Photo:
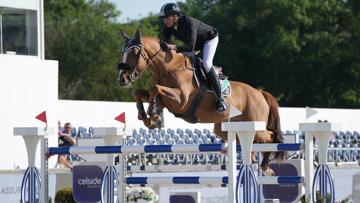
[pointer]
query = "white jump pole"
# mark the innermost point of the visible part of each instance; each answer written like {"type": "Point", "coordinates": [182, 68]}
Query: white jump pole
{"type": "Point", "coordinates": [246, 132]}
{"type": "Point", "coordinates": [111, 136]}
{"type": "Point", "coordinates": [323, 134]}
{"type": "Point", "coordinates": [31, 179]}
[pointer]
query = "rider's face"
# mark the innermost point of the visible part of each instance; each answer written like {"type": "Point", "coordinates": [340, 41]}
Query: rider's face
{"type": "Point", "coordinates": [169, 21]}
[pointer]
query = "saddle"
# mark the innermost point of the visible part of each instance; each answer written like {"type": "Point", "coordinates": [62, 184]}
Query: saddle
{"type": "Point", "coordinates": [204, 85]}
{"type": "Point", "coordinates": [201, 80]}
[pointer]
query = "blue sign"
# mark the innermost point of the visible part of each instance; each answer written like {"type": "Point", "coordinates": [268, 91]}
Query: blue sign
{"type": "Point", "coordinates": [284, 192]}
{"type": "Point", "coordinates": [87, 183]}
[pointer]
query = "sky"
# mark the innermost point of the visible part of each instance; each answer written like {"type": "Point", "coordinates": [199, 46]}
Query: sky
{"type": "Point", "coordinates": [136, 9]}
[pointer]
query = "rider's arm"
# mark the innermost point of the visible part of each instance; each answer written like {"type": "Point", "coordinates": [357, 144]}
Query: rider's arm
{"type": "Point", "coordinates": [166, 35]}
{"type": "Point", "coordinates": [68, 138]}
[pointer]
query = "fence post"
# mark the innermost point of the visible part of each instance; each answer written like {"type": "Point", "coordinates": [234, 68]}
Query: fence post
{"type": "Point", "coordinates": [246, 132]}
{"type": "Point", "coordinates": [322, 177]}
{"type": "Point", "coordinates": [32, 180]}
{"type": "Point", "coordinates": [111, 136]}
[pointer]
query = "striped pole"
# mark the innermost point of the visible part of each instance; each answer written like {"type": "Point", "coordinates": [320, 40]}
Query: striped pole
{"type": "Point", "coordinates": [182, 148]}
{"type": "Point", "coordinates": [205, 180]}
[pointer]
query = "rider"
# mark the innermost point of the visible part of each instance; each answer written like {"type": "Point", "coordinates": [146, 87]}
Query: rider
{"type": "Point", "coordinates": [195, 35]}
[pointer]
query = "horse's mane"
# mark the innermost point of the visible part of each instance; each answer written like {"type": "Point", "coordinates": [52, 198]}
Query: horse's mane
{"type": "Point", "coordinates": [156, 41]}
{"type": "Point", "coordinates": [150, 39]}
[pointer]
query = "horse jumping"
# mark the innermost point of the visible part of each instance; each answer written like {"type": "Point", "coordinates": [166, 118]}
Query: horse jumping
{"type": "Point", "coordinates": [175, 88]}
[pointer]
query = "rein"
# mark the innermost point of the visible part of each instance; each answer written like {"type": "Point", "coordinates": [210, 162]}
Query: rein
{"type": "Point", "coordinates": [147, 58]}
{"type": "Point", "coordinates": [135, 74]}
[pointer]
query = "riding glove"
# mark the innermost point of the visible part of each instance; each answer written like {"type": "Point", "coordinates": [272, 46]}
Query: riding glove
{"type": "Point", "coordinates": [166, 46]}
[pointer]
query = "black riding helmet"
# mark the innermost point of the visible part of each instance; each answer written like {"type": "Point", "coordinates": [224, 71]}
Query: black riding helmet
{"type": "Point", "coordinates": [169, 9]}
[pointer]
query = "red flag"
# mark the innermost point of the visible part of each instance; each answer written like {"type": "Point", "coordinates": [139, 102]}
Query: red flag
{"type": "Point", "coordinates": [121, 118]}
{"type": "Point", "coordinates": [42, 117]}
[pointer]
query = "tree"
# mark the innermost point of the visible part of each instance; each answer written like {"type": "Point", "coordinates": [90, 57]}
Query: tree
{"type": "Point", "coordinates": [84, 37]}
{"type": "Point", "coordinates": [304, 52]}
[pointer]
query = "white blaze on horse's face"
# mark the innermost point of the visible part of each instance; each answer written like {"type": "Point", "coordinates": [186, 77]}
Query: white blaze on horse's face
{"type": "Point", "coordinates": [125, 54]}
{"type": "Point", "coordinates": [127, 76]}
{"type": "Point", "coordinates": [125, 57]}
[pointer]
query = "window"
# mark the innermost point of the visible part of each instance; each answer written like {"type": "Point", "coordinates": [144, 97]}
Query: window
{"type": "Point", "coordinates": [18, 31]}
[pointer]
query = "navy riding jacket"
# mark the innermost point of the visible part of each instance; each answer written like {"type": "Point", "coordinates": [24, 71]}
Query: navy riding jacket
{"type": "Point", "coordinates": [192, 32]}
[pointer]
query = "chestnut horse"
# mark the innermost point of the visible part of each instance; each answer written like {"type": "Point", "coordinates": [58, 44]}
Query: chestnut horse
{"type": "Point", "coordinates": [174, 87]}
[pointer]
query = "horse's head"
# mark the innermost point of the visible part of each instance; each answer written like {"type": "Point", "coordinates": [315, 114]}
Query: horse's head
{"type": "Point", "coordinates": [134, 60]}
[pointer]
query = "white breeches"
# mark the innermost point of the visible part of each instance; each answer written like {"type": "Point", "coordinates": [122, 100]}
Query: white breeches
{"type": "Point", "coordinates": [209, 53]}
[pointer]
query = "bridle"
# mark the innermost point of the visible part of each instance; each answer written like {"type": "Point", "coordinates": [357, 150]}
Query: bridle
{"type": "Point", "coordinates": [132, 68]}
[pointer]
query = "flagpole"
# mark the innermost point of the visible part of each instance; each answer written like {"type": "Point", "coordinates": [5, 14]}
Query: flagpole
{"type": "Point", "coordinates": [44, 161]}
{"type": "Point", "coordinates": [121, 190]}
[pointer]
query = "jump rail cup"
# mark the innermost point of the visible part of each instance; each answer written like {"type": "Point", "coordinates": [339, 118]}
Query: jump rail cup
{"type": "Point", "coordinates": [246, 132]}
{"type": "Point", "coordinates": [322, 177]}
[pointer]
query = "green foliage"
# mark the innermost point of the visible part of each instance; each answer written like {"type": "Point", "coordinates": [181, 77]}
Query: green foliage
{"type": "Point", "coordinates": [304, 52]}
{"type": "Point", "coordinates": [318, 198]}
{"type": "Point", "coordinates": [84, 37]}
{"type": "Point", "coordinates": [64, 196]}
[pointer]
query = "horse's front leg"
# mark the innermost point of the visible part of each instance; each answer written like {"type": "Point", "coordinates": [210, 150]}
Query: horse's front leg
{"type": "Point", "coordinates": [152, 109]}
{"type": "Point", "coordinates": [155, 104]}
{"type": "Point", "coordinates": [139, 95]}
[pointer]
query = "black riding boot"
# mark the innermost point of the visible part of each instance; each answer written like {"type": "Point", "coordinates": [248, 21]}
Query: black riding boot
{"type": "Point", "coordinates": [215, 83]}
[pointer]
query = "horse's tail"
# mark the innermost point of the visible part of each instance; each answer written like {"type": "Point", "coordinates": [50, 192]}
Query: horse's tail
{"type": "Point", "coordinates": [273, 123]}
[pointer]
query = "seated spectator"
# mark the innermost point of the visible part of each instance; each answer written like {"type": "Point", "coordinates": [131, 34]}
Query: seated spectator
{"type": "Point", "coordinates": [65, 140]}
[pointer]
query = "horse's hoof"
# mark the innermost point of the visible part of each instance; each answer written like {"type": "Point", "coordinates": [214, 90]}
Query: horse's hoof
{"type": "Point", "coordinates": [268, 172]}
{"type": "Point", "coordinates": [223, 151]}
{"type": "Point", "coordinates": [156, 121]}
{"type": "Point", "coordinates": [147, 122]}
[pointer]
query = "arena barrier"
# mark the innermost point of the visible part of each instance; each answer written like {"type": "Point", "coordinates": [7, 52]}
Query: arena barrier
{"type": "Point", "coordinates": [246, 176]}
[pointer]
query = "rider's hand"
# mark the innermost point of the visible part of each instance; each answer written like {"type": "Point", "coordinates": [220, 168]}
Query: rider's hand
{"type": "Point", "coordinates": [166, 46]}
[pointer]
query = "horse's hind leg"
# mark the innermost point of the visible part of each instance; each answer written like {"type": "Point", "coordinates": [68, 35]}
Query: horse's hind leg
{"type": "Point", "coordinates": [219, 133]}
{"type": "Point", "coordinates": [265, 137]}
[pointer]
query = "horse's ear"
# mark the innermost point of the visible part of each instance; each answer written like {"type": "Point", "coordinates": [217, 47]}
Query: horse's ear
{"type": "Point", "coordinates": [137, 36]}
{"type": "Point", "coordinates": [123, 35]}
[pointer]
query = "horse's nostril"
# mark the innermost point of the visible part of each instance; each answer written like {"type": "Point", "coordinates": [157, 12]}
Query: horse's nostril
{"type": "Point", "coordinates": [120, 80]}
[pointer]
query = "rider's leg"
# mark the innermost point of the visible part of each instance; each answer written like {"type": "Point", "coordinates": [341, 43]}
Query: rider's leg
{"type": "Point", "coordinates": [209, 52]}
